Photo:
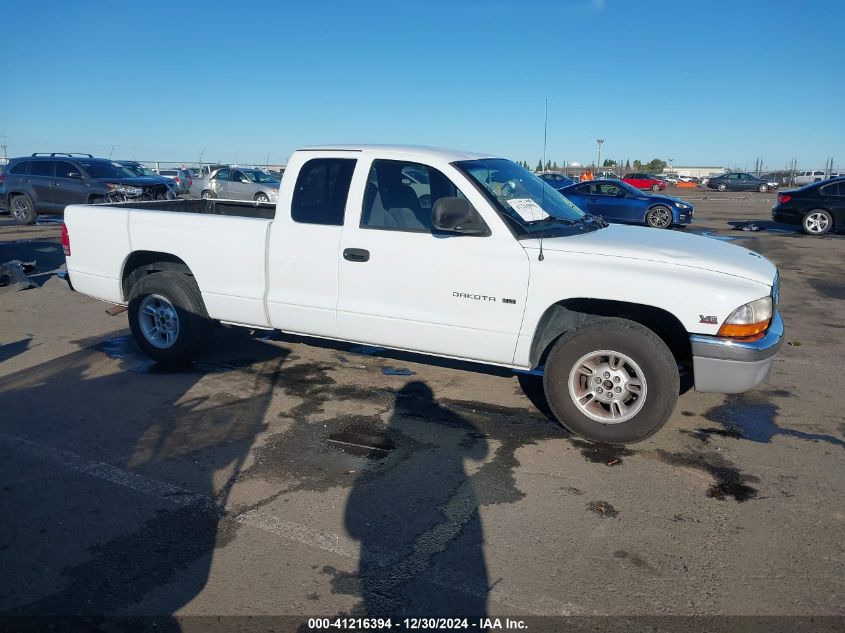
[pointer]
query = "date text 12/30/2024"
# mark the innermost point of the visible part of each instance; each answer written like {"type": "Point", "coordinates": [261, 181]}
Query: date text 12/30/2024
{"type": "Point", "coordinates": [414, 624]}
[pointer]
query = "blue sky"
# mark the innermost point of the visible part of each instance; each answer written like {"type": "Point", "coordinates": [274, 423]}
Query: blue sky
{"type": "Point", "coordinates": [716, 83]}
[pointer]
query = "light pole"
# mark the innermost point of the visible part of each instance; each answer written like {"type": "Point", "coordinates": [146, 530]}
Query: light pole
{"type": "Point", "coordinates": [599, 141]}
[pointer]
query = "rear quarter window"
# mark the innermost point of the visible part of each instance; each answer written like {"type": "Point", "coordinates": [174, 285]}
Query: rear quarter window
{"type": "Point", "coordinates": [20, 169]}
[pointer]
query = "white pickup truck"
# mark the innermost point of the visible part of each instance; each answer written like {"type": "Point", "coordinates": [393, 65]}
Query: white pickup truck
{"type": "Point", "coordinates": [447, 253]}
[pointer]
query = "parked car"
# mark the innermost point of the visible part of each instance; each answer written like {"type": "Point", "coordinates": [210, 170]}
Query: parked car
{"type": "Point", "coordinates": [671, 179]}
{"type": "Point", "coordinates": [806, 177]}
{"type": "Point", "coordinates": [46, 183]}
{"type": "Point", "coordinates": [137, 169]}
{"type": "Point", "coordinates": [738, 181]}
{"type": "Point", "coordinates": [606, 312]}
{"type": "Point", "coordinates": [232, 183]}
{"type": "Point", "coordinates": [617, 201]}
{"type": "Point", "coordinates": [607, 175]}
{"type": "Point", "coordinates": [556, 179]}
{"type": "Point", "coordinates": [818, 207]}
{"type": "Point", "coordinates": [644, 181]}
{"type": "Point", "coordinates": [182, 177]}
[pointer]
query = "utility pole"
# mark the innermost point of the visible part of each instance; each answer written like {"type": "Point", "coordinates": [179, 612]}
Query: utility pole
{"type": "Point", "coordinates": [5, 153]}
{"type": "Point", "coordinates": [599, 141]}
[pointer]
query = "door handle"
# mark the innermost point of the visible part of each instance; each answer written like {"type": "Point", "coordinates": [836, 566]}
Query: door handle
{"type": "Point", "coordinates": [356, 254]}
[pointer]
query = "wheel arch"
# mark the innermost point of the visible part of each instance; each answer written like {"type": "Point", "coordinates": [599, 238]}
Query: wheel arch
{"type": "Point", "coordinates": [141, 263]}
{"type": "Point", "coordinates": [569, 313]}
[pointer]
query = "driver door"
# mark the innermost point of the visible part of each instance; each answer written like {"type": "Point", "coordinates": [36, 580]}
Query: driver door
{"type": "Point", "coordinates": [610, 202]}
{"type": "Point", "coordinates": [402, 285]}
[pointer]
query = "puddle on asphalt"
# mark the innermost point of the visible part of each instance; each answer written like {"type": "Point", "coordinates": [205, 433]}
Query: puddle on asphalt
{"type": "Point", "coordinates": [362, 441]}
{"type": "Point", "coordinates": [607, 454]}
{"type": "Point", "coordinates": [123, 348]}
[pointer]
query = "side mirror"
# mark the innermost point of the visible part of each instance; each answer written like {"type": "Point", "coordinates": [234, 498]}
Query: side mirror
{"type": "Point", "coordinates": [245, 181]}
{"type": "Point", "coordinates": [74, 174]}
{"type": "Point", "coordinates": [456, 215]}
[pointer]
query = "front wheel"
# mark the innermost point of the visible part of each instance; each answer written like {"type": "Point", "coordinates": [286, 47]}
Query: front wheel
{"type": "Point", "coordinates": [817, 222]}
{"type": "Point", "coordinates": [659, 217]}
{"type": "Point", "coordinates": [611, 380]}
{"type": "Point", "coordinates": [167, 317]}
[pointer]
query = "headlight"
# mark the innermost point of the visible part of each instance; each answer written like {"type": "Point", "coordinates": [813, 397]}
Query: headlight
{"type": "Point", "coordinates": [681, 205]}
{"type": "Point", "coordinates": [748, 320]}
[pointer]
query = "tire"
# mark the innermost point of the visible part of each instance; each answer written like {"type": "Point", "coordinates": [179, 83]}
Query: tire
{"type": "Point", "coordinates": [763, 188]}
{"type": "Point", "coordinates": [817, 222]}
{"type": "Point", "coordinates": [262, 197]}
{"type": "Point", "coordinates": [655, 187]}
{"type": "Point", "coordinates": [97, 200]}
{"type": "Point", "coordinates": [722, 186]}
{"type": "Point", "coordinates": [207, 194]}
{"type": "Point", "coordinates": [22, 209]}
{"type": "Point", "coordinates": [659, 217]}
{"type": "Point", "coordinates": [640, 353]}
{"type": "Point", "coordinates": [171, 303]}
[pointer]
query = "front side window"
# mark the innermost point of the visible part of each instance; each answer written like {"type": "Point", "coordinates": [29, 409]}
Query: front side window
{"type": "Point", "coordinates": [321, 190]}
{"type": "Point", "coordinates": [529, 205]}
{"type": "Point", "coordinates": [400, 195]}
{"type": "Point", "coordinates": [64, 169]}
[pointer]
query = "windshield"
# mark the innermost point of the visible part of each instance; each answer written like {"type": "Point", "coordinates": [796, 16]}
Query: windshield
{"type": "Point", "coordinates": [256, 175]}
{"type": "Point", "coordinates": [526, 201]}
{"type": "Point", "coordinates": [104, 169]}
{"type": "Point", "coordinates": [139, 170]}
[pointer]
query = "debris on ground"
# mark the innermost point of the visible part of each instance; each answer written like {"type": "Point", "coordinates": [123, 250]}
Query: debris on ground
{"type": "Point", "coordinates": [13, 275]}
{"type": "Point", "coordinates": [397, 371]}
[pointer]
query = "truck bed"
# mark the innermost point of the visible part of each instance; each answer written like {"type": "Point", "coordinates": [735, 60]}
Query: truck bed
{"type": "Point", "coordinates": [236, 208]}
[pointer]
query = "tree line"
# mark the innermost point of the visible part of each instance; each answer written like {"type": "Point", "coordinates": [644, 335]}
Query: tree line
{"type": "Point", "coordinates": [655, 165]}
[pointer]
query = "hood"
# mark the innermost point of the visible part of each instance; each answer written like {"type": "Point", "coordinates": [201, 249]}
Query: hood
{"type": "Point", "coordinates": [665, 247]}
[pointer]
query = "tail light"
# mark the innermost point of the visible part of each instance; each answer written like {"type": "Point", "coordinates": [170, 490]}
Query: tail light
{"type": "Point", "coordinates": [783, 198]}
{"type": "Point", "coordinates": [65, 240]}
{"type": "Point", "coordinates": [190, 182]}
{"type": "Point", "coordinates": [177, 179]}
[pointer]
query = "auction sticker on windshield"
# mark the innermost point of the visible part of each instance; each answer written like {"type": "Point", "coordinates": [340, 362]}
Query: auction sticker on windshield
{"type": "Point", "coordinates": [527, 209]}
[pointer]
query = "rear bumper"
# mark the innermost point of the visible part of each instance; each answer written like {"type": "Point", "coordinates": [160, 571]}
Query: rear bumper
{"type": "Point", "coordinates": [729, 366]}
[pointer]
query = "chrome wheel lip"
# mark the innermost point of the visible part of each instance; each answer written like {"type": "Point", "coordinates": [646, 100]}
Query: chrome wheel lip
{"type": "Point", "coordinates": [614, 371]}
{"type": "Point", "coordinates": [816, 222]}
{"type": "Point", "coordinates": [665, 217]}
{"type": "Point", "coordinates": [158, 321]}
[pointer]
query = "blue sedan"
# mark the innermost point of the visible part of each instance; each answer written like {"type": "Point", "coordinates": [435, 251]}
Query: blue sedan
{"type": "Point", "coordinates": [617, 201]}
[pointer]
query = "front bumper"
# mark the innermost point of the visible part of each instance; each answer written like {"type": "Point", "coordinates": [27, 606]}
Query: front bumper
{"type": "Point", "coordinates": [728, 366]}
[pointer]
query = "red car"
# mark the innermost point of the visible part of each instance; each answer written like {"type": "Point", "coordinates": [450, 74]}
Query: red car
{"type": "Point", "coordinates": [645, 181]}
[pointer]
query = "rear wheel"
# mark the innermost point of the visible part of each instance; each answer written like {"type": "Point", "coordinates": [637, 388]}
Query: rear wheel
{"type": "Point", "coordinates": [611, 380]}
{"type": "Point", "coordinates": [167, 317]}
{"type": "Point", "coordinates": [207, 194]}
{"type": "Point", "coordinates": [817, 222]}
{"type": "Point", "coordinates": [763, 188]}
{"type": "Point", "coordinates": [655, 187]}
{"type": "Point", "coordinates": [659, 217]}
{"type": "Point", "coordinates": [722, 186]}
{"type": "Point", "coordinates": [262, 197]}
{"type": "Point", "coordinates": [23, 211]}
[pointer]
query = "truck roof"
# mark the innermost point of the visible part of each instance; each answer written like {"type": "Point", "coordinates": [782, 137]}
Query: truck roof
{"type": "Point", "coordinates": [416, 150]}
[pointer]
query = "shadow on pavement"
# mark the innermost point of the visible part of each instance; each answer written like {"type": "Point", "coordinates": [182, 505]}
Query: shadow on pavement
{"type": "Point", "coordinates": [112, 482]}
